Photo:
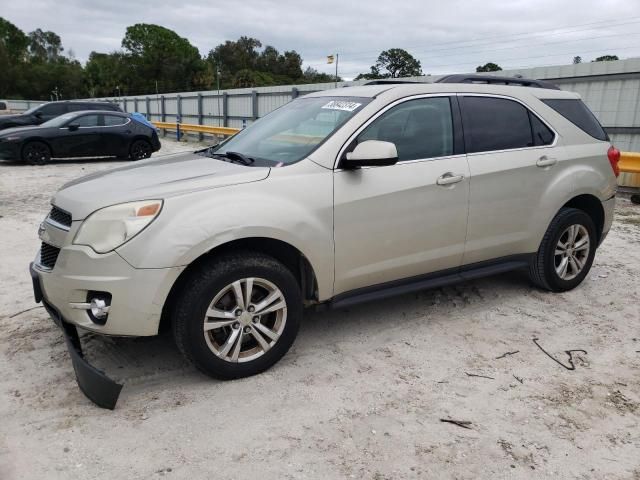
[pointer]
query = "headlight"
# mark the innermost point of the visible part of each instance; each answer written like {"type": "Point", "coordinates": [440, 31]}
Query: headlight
{"type": "Point", "coordinates": [11, 138]}
{"type": "Point", "coordinates": [106, 229]}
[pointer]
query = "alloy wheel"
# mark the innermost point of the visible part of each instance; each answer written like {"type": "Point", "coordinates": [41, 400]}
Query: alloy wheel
{"type": "Point", "coordinates": [36, 154]}
{"type": "Point", "coordinates": [572, 251]}
{"type": "Point", "coordinates": [245, 320]}
{"type": "Point", "coordinates": [140, 150]}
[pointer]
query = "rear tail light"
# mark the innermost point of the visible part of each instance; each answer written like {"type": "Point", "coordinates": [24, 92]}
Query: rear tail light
{"type": "Point", "coordinates": [614, 158]}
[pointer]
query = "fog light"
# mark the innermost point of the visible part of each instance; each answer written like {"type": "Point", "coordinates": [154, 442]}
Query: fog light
{"type": "Point", "coordinates": [99, 305]}
{"type": "Point", "coordinates": [99, 308]}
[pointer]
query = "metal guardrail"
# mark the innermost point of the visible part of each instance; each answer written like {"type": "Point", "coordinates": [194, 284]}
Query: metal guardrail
{"type": "Point", "coordinates": [180, 128]}
{"type": "Point", "coordinates": [629, 162]}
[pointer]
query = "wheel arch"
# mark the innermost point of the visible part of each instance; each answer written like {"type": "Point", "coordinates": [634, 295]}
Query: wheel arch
{"type": "Point", "coordinates": [592, 206]}
{"type": "Point", "coordinates": [282, 251]}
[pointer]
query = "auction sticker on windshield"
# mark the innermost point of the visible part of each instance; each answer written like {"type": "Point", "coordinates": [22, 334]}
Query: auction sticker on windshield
{"type": "Point", "coordinates": [339, 105]}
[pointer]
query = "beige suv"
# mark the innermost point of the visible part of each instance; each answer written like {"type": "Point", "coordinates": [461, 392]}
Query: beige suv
{"type": "Point", "coordinates": [339, 197]}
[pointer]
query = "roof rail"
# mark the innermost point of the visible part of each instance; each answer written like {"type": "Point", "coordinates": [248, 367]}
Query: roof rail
{"type": "Point", "coordinates": [391, 81]}
{"type": "Point", "coordinates": [495, 80]}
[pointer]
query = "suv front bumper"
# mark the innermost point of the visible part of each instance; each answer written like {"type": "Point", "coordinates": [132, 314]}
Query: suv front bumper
{"type": "Point", "coordinates": [137, 295]}
{"type": "Point", "coordinates": [97, 387]}
{"type": "Point", "coordinates": [137, 299]}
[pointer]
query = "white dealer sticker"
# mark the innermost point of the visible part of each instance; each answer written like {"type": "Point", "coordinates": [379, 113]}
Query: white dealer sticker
{"type": "Point", "coordinates": [338, 105]}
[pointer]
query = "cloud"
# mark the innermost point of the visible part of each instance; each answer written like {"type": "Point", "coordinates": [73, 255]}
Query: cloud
{"type": "Point", "coordinates": [447, 36]}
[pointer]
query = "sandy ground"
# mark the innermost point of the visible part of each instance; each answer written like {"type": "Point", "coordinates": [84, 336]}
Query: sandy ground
{"type": "Point", "coordinates": [361, 393]}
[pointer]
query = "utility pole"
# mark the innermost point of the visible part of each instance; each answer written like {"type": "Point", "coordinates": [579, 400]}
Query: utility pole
{"type": "Point", "coordinates": [337, 60]}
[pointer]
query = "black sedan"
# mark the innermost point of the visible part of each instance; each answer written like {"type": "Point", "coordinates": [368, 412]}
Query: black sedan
{"type": "Point", "coordinates": [80, 134]}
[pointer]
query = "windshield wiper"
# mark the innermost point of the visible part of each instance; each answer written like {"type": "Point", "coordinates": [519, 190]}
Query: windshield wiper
{"type": "Point", "coordinates": [235, 157]}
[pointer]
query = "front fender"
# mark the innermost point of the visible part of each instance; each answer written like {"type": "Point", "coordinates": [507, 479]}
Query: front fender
{"type": "Point", "coordinates": [293, 208]}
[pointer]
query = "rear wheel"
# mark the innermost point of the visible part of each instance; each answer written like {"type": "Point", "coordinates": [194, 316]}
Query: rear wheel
{"type": "Point", "coordinates": [140, 149]}
{"type": "Point", "coordinates": [36, 153]}
{"type": "Point", "coordinates": [566, 252]}
{"type": "Point", "coordinates": [237, 315]}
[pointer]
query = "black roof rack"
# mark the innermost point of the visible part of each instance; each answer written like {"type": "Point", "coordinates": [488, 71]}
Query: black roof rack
{"type": "Point", "coordinates": [391, 81]}
{"type": "Point", "coordinates": [495, 80]}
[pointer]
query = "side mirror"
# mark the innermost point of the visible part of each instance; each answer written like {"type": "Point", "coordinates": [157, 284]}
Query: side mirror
{"type": "Point", "coordinates": [371, 153]}
{"type": "Point", "coordinates": [73, 128]}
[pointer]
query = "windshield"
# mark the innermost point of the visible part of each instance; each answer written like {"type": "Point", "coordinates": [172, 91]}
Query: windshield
{"type": "Point", "coordinates": [59, 121]}
{"type": "Point", "coordinates": [293, 131]}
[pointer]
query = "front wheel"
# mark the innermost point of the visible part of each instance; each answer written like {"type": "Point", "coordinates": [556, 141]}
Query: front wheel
{"type": "Point", "coordinates": [237, 315]}
{"type": "Point", "coordinates": [140, 149]}
{"type": "Point", "coordinates": [566, 253]}
{"type": "Point", "coordinates": [36, 153]}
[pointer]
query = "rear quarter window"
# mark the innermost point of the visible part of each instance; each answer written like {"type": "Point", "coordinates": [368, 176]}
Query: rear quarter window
{"type": "Point", "coordinates": [578, 113]}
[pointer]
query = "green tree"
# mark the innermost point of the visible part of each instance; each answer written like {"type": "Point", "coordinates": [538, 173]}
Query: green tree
{"type": "Point", "coordinates": [230, 57]}
{"type": "Point", "coordinates": [45, 46]}
{"type": "Point", "coordinates": [154, 53]}
{"type": "Point", "coordinates": [393, 63]}
{"type": "Point", "coordinates": [577, 59]}
{"type": "Point", "coordinates": [311, 75]}
{"type": "Point", "coordinates": [14, 41]}
{"type": "Point", "coordinates": [489, 67]}
{"type": "Point", "coordinates": [241, 63]}
{"type": "Point", "coordinates": [105, 72]}
{"type": "Point", "coordinates": [606, 58]}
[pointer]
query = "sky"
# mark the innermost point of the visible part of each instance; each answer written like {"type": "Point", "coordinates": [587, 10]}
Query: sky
{"type": "Point", "coordinates": [446, 36]}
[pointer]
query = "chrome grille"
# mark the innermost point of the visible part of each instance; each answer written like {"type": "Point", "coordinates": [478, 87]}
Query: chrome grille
{"type": "Point", "coordinates": [60, 216]}
{"type": "Point", "coordinates": [48, 255]}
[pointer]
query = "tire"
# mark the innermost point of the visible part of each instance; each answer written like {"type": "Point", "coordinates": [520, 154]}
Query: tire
{"type": "Point", "coordinates": [36, 153]}
{"type": "Point", "coordinates": [140, 149]}
{"type": "Point", "coordinates": [549, 270]}
{"type": "Point", "coordinates": [214, 351]}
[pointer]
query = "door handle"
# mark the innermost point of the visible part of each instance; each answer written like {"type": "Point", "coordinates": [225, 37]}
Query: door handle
{"type": "Point", "coordinates": [449, 179]}
{"type": "Point", "coordinates": [545, 161]}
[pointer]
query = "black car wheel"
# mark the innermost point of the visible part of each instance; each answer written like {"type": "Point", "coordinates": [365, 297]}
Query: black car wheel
{"type": "Point", "coordinates": [140, 149]}
{"type": "Point", "coordinates": [36, 153]}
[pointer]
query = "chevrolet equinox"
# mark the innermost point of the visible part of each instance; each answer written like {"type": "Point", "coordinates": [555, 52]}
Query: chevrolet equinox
{"type": "Point", "coordinates": [338, 197]}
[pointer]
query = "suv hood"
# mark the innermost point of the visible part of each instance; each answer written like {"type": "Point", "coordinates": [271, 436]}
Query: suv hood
{"type": "Point", "coordinates": [152, 179]}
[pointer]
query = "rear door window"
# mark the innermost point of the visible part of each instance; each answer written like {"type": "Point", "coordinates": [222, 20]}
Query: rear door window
{"type": "Point", "coordinates": [114, 120]}
{"type": "Point", "coordinates": [495, 124]}
{"type": "Point", "coordinates": [574, 110]}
